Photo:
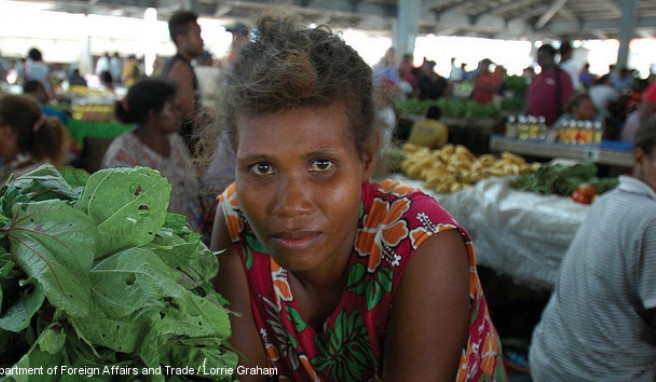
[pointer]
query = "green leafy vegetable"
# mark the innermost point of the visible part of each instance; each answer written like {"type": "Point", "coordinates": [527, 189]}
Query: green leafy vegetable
{"type": "Point", "coordinates": [94, 272]}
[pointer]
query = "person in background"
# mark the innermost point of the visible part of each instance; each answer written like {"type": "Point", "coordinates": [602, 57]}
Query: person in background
{"type": "Point", "coordinates": [131, 72]}
{"type": "Point", "coordinates": [431, 85]}
{"type": "Point", "coordinates": [600, 322]}
{"type": "Point", "coordinates": [430, 132]}
{"type": "Point", "coordinates": [35, 89]}
{"type": "Point", "coordinates": [36, 69]}
{"type": "Point", "coordinates": [331, 275]}
{"type": "Point", "coordinates": [645, 111]}
{"type": "Point", "coordinates": [152, 105]}
{"type": "Point", "coordinates": [457, 73]}
{"type": "Point", "coordinates": [103, 64]}
{"type": "Point", "coordinates": [28, 138]}
{"type": "Point", "coordinates": [568, 65]}
{"type": "Point", "coordinates": [76, 79]}
{"type": "Point", "coordinates": [116, 68]}
{"type": "Point", "coordinates": [486, 84]}
{"type": "Point", "coordinates": [185, 34]}
{"type": "Point", "coordinates": [581, 108]}
{"type": "Point", "coordinates": [407, 74]}
{"type": "Point", "coordinates": [622, 79]}
{"type": "Point", "coordinates": [585, 77]}
{"type": "Point", "coordinates": [602, 94]}
{"type": "Point", "coordinates": [4, 68]}
{"type": "Point", "coordinates": [385, 71]}
{"type": "Point", "coordinates": [551, 90]}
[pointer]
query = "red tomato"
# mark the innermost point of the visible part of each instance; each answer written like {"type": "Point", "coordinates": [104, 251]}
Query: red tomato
{"type": "Point", "coordinates": [581, 198]}
{"type": "Point", "coordinates": [587, 190]}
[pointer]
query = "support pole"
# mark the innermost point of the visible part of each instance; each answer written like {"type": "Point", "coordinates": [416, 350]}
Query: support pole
{"type": "Point", "coordinates": [627, 28]}
{"type": "Point", "coordinates": [406, 27]}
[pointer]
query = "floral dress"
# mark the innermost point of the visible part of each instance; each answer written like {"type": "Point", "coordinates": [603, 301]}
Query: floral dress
{"type": "Point", "coordinates": [394, 221]}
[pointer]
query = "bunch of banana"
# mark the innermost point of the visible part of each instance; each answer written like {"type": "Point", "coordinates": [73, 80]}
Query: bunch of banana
{"type": "Point", "coordinates": [453, 168]}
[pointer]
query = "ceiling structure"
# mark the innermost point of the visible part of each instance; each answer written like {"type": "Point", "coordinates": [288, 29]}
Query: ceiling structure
{"type": "Point", "coordinates": [503, 19]}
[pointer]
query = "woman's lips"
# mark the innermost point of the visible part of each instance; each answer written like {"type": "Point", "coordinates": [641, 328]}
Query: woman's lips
{"type": "Point", "coordinates": [296, 240]}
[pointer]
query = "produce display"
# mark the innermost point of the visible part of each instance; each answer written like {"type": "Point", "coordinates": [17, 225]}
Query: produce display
{"type": "Point", "coordinates": [579, 181]}
{"type": "Point", "coordinates": [95, 274]}
{"type": "Point", "coordinates": [453, 168]}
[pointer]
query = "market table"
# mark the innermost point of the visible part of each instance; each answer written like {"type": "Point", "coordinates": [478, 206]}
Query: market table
{"type": "Point", "coordinates": [91, 140]}
{"type": "Point", "coordinates": [521, 234]}
{"type": "Point", "coordinates": [79, 130]}
{"type": "Point", "coordinates": [610, 152]}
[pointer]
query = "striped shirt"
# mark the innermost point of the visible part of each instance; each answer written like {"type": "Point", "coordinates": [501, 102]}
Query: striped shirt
{"type": "Point", "coordinates": [593, 328]}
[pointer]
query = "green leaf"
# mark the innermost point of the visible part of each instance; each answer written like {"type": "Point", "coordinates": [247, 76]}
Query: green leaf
{"type": "Point", "coordinates": [52, 341]}
{"type": "Point", "coordinates": [43, 183]}
{"type": "Point", "coordinates": [132, 280]}
{"type": "Point", "coordinates": [385, 278]}
{"type": "Point", "coordinates": [128, 205]}
{"type": "Point", "coordinates": [295, 317]}
{"type": "Point", "coordinates": [355, 275]}
{"type": "Point", "coordinates": [54, 243]}
{"type": "Point", "coordinates": [19, 315]}
{"type": "Point", "coordinates": [75, 177]}
{"type": "Point", "coordinates": [374, 294]}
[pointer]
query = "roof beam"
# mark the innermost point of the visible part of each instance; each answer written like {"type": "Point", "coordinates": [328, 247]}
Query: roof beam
{"type": "Point", "coordinates": [555, 6]}
{"type": "Point", "coordinates": [507, 6]}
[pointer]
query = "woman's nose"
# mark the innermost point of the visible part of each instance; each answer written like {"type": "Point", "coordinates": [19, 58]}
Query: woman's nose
{"type": "Point", "coordinates": [294, 196]}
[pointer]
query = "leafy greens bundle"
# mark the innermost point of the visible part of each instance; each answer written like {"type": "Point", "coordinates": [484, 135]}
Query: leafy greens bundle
{"type": "Point", "coordinates": [95, 272]}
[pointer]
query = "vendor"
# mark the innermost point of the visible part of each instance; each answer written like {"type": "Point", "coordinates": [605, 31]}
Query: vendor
{"type": "Point", "coordinates": [599, 324]}
{"type": "Point", "coordinates": [430, 132]}
{"type": "Point", "coordinates": [331, 275]}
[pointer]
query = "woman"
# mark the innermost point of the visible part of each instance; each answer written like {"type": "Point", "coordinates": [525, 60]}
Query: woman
{"type": "Point", "coordinates": [28, 138]}
{"type": "Point", "coordinates": [599, 324]}
{"type": "Point", "coordinates": [152, 105]}
{"type": "Point", "coordinates": [334, 277]}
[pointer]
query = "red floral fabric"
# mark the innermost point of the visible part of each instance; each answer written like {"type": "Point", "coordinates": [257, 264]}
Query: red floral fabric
{"type": "Point", "coordinates": [394, 221]}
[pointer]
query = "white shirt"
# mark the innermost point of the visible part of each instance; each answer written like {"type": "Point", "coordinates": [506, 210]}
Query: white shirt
{"type": "Point", "coordinates": [593, 328]}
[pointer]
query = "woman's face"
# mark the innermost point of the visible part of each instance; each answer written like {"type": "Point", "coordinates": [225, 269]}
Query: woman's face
{"type": "Point", "coordinates": [168, 119]}
{"type": "Point", "coordinates": [299, 178]}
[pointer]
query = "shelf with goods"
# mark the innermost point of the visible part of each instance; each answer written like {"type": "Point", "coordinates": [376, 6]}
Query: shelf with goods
{"type": "Point", "coordinates": [608, 153]}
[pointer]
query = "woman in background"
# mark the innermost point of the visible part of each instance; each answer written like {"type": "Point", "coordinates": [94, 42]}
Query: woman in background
{"type": "Point", "coordinates": [28, 138]}
{"type": "Point", "coordinates": [152, 105]}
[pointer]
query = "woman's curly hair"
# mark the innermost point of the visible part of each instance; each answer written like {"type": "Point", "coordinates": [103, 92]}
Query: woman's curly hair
{"type": "Point", "coordinates": [285, 66]}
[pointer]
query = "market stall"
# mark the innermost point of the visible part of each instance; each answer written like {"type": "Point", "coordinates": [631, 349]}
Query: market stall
{"type": "Point", "coordinates": [521, 234]}
{"type": "Point", "coordinates": [522, 216]}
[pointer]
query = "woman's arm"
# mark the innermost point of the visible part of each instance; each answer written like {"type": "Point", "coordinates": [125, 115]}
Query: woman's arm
{"type": "Point", "coordinates": [428, 324]}
{"type": "Point", "coordinates": [232, 284]}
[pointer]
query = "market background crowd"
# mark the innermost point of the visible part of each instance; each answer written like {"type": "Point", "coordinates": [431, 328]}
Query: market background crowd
{"type": "Point", "coordinates": [619, 98]}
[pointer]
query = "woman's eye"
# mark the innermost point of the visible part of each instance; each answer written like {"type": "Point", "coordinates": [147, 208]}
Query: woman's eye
{"type": "Point", "coordinates": [321, 165]}
{"type": "Point", "coordinates": [262, 169]}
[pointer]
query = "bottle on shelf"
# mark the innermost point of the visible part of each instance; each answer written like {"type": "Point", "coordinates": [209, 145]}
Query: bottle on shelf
{"type": "Point", "coordinates": [561, 128]}
{"type": "Point", "coordinates": [542, 128]}
{"type": "Point", "coordinates": [588, 133]}
{"type": "Point", "coordinates": [522, 129]}
{"type": "Point", "coordinates": [598, 133]}
{"type": "Point", "coordinates": [571, 132]}
{"type": "Point", "coordinates": [580, 133]}
{"type": "Point", "coordinates": [511, 127]}
{"type": "Point", "coordinates": [533, 128]}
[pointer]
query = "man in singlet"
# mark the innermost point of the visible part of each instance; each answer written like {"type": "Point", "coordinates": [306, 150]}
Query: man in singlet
{"type": "Point", "coordinates": [185, 34]}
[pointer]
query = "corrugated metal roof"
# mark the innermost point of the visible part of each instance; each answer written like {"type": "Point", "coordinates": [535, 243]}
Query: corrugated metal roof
{"type": "Point", "coordinates": [508, 19]}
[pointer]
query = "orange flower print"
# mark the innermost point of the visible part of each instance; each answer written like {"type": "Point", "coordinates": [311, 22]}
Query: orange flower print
{"type": "Point", "coordinates": [426, 229]}
{"type": "Point", "coordinates": [230, 209]}
{"type": "Point", "coordinates": [383, 227]}
{"type": "Point", "coordinates": [280, 285]}
{"type": "Point", "coordinates": [272, 352]}
{"type": "Point", "coordinates": [396, 188]}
